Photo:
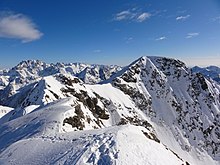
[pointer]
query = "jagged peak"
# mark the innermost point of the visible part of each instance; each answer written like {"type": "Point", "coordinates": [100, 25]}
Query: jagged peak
{"type": "Point", "coordinates": [135, 67]}
{"type": "Point", "coordinates": [159, 61]}
{"type": "Point", "coordinates": [30, 63]}
{"type": "Point", "coordinates": [161, 65]}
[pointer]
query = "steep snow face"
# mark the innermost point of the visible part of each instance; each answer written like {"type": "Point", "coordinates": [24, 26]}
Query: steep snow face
{"type": "Point", "coordinates": [209, 72]}
{"type": "Point", "coordinates": [186, 103]}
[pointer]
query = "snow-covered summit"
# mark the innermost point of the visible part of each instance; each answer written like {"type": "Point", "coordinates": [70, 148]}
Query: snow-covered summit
{"type": "Point", "coordinates": [30, 70]}
{"type": "Point", "coordinates": [185, 103]}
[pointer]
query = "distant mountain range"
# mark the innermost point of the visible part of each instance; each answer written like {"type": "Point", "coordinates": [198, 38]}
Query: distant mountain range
{"type": "Point", "coordinates": [153, 111]}
{"type": "Point", "coordinates": [212, 72]}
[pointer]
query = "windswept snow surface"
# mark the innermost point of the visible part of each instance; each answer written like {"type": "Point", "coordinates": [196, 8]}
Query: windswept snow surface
{"type": "Point", "coordinates": [36, 138]}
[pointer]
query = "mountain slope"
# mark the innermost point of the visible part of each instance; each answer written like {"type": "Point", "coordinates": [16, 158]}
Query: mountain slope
{"type": "Point", "coordinates": [40, 133]}
{"type": "Point", "coordinates": [174, 113]}
{"type": "Point", "coordinates": [185, 103]}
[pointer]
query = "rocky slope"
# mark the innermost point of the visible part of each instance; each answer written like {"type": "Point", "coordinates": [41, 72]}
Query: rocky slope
{"type": "Point", "coordinates": [187, 104]}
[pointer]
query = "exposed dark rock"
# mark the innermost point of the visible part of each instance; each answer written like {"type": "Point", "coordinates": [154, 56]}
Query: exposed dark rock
{"type": "Point", "coordinates": [67, 80]}
{"type": "Point", "coordinates": [76, 121]}
{"type": "Point", "coordinates": [151, 136]}
{"type": "Point", "coordinates": [91, 103]}
{"type": "Point", "coordinates": [55, 95]}
{"type": "Point", "coordinates": [139, 98]}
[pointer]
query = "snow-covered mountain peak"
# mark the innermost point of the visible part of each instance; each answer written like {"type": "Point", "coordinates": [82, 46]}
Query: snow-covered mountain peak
{"type": "Point", "coordinates": [169, 105]}
{"type": "Point", "coordinates": [27, 69]}
{"type": "Point", "coordinates": [166, 66]}
{"type": "Point", "coordinates": [30, 64]}
{"type": "Point", "coordinates": [30, 70]}
{"type": "Point", "coordinates": [169, 93]}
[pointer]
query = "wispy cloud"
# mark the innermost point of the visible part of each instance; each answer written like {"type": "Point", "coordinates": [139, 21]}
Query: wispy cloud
{"type": "Point", "coordinates": [129, 39]}
{"type": "Point", "coordinates": [97, 51]}
{"type": "Point", "coordinates": [161, 38]}
{"type": "Point", "coordinates": [132, 15]}
{"type": "Point", "coordinates": [18, 26]}
{"type": "Point", "coordinates": [124, 15]}
{"type": "Point", "coordinates": [182, 18]}
{"type": "Point", "coordinates": [181, 11]}
{"type": "Point", "coordinates": [143, 17]}
{"type": "Point", "coordinates": [192, 35]}
{"type": "Point", "coordinates": [216, 19]}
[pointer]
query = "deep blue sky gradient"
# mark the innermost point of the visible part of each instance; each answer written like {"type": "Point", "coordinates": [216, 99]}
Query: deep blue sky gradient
{"type": "Point", "coordinates": [86, 31]}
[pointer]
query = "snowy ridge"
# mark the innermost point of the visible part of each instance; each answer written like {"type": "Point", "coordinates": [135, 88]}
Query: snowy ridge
{"type": "Point", "coordinates": [103, 146]}
{"type": "Point", "coordinates": [94, 109]}
{"type": "Point", "coordinates": [155, 105]}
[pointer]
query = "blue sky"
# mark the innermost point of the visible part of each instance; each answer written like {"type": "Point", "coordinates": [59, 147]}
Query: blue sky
{"type": "Point", "coordinates": [109, 32]}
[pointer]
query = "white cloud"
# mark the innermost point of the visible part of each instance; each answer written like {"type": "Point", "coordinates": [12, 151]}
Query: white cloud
{"type": "Point", "coordinates": [132, 15]}
{"type": "Point", "coordinates": [192, 35]}
{"type": "Point", "coordinates": [183, 18]}
{"type": "Point", "coordinates": [124, 15]}
{"type": "Point", "coordinates": [161, 38]}
{"type": "Point", "coordinates": [18, 26]}
{"type": "Point", "coordinates": [143, 17]}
